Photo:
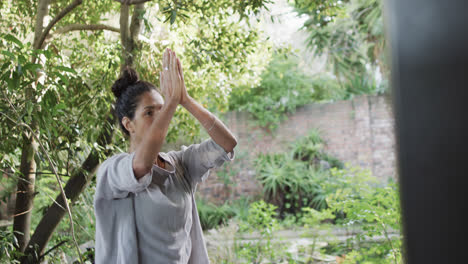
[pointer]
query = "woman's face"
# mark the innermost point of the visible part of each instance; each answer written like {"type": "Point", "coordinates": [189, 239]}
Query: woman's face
{"type": "Point", "coordinates": [148, 108]}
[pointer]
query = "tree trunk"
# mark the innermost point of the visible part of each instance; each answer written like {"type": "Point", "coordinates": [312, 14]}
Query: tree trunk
{"type": "Point", "coordinates": [129, 33]}
{"type": "Point", "coordinates": [25, 193]}
{"type": "Point", "coordinates": [135, 28]}
{"type": "Point", "coordinates": [25, 186]}
{"type": "Point", "coordinates": [124, 34]}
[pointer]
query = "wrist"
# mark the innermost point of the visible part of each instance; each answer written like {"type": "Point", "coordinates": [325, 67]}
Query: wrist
{"type": "Point", "coordinates": [186, 101]}
{"type": "Point", "coordinates": [170, 104]}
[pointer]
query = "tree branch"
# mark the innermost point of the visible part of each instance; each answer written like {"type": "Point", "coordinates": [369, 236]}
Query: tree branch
{"type": "Point", "coordinates": [54, 21]}
{"type": "Point", "coordinates": [75, 27]}
{"type": "Point", "coordinates": [135, 25]}
{"type": "Point", "coordinates": [42, 11]}
{"type": "Point", "coordinates": [53, 248]}
{"type": "Point", "coordinates": [132, 2]}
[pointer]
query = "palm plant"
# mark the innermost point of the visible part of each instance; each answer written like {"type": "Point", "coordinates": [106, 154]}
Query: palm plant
{"type": "Point", "coordinates": [293, 180]}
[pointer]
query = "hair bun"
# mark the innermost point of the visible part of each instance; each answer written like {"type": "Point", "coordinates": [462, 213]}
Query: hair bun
{"type": "Point", "coordinates": [128, 77]}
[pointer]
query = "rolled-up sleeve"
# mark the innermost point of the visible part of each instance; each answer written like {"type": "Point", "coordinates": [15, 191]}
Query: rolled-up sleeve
{"type": "Point", "coordinates": [118, 172]}
{"type": "Point", "coordinates": [200, 158]}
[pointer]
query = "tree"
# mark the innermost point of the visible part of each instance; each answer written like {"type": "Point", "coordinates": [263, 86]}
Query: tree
{"type": "Point", "coordinates": [55, 94]}
{"type": "Point", "coordinates": [349, 32]}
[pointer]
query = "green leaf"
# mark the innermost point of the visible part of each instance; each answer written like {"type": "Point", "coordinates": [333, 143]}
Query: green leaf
{"type": "Point", "coordinates": [11, 38]}
{"type": "Point", "coordinates": [9, 54]}
{"type": "Point", "coordinates": [32, 67]}
{"type": "Point", "coordinates": [67, 69]}
{"type": "Point", "coordinates": [173, 16]}
{"type": "Point", "coordinates": [62, 77]}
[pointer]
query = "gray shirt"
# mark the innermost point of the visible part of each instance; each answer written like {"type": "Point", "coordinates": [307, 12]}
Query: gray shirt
{"type": "Point", "coordinates": [153, 219]}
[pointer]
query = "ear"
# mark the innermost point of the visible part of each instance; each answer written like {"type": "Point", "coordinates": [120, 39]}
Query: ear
{"type": "Point", "coordinates": [128, 124]}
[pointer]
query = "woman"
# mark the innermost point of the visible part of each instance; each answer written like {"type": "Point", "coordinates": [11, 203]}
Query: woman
{"type": "Point", "coordinates": [144, 202]}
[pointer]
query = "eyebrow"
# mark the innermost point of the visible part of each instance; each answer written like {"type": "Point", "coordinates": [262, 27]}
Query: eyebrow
{"type": "Point", "coordinates": [152, 106]}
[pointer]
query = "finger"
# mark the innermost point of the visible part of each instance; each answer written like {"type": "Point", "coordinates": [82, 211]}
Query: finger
{"type": "Point", "coordinates": [165, 61]}
{"type": "Point", "coordinates": [174, 62]}
{"type": "Point", "coordinates": [179, 67]}
{"type": "Point", "coordinates": [181, 74]}
{"type": "Point", "coordinates": [161, 74]}
{"type": "Point", "coordinates": [168, 58]}
{"type": "Point", "coordinates": [161, 82]}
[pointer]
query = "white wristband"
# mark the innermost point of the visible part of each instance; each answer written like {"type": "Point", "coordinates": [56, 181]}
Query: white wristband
{"type": "Point", "coordinates": [214, 121]}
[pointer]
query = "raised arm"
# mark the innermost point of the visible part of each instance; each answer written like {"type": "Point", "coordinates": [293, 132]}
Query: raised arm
{"type": "Point", "coordinates": [215, 128]}
{"type": "Point", "coordinates": [148, 149]}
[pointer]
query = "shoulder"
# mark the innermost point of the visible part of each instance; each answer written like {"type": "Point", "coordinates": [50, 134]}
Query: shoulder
{"type": "Point", "coordinates": [112, 161]}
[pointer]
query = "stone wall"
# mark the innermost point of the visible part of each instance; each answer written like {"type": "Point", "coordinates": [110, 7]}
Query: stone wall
{"type": "Point", "coordinates": [358, 131]}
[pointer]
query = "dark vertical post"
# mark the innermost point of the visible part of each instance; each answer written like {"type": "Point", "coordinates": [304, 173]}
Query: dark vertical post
{"type": "Point", "coordinates": [429, 52]}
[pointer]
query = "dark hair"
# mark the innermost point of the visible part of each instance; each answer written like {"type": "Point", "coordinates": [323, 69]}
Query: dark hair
{"type": "Point", "coordinates": [128, 89]}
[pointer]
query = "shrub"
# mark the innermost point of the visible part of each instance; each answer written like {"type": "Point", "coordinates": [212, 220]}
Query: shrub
{"type": "Point", "coordinates": [375, 208]}
{"type": "Point", "coordinates": [8, 245]}
{"type": "Point", "coordinates": [212, 216]}
{"type": "Point", "coordinates": [295, 179]}
{"type": "Point", "coordinates": [283, 88]}
{"type": "Point", "coordinates": [262, 218]}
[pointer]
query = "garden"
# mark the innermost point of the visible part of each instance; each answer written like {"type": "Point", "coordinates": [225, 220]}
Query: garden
{"type": "Point", "coordinates": [58, 60]}
{"type": "Point", "coordinates": [314, 209]}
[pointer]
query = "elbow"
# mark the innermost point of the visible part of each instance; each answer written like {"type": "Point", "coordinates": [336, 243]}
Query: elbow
{"type": "Point", "coordinates": [232, 144]}
{"type": "Point", "coordinates": [140, 169]}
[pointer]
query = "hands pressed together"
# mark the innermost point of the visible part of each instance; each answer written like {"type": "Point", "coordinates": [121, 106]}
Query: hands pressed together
{"type": "Point", "coordinates": [172, 79]}
{"type": "Point", "coordinates": [174, 91]}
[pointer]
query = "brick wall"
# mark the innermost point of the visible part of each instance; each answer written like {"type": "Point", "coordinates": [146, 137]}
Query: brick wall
{"type": "Point", "coordinates": [358, 131]}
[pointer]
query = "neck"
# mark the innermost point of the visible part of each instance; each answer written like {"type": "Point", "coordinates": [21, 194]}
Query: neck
{"type": "Point", "coordinates": [133, 146]}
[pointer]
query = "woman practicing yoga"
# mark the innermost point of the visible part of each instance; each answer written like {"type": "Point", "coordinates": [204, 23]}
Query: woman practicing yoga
{"type": "Point", "coordinates": [144, 202]}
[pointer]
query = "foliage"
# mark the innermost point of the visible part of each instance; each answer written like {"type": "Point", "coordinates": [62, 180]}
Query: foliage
{"type": "Point", "coordinates": [376, 209]}
{"type": "Point", "coordinates": [310, 148]}
{"type": "Point", "coordinates": [212, 216]}
{"type": "Point", "coordinates": [8, 246]}
{"type": "Point", "coordinates": [313, 219]}
{"type": "Point", "coordinates": [228, 171]}
{"type": "Point", "coordinates": [293, 180]}
{"type": "Point", "coordinates": [262, 218]}
{"type": "Point", "coordinates": [83, 219]}
{"type": "Point", "coordinates": [327, 88]}
{"type": "Point", "coordinates": [258, 217]}
{"type": "Point", "coordinates": [283, 87]}
{"type": "Point", "coordinates": [350, 33]}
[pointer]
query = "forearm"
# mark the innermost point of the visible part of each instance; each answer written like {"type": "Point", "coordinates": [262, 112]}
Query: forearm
{"type": "Point", "coordinates": [152, 142]}
{"type": "Point", "coordinates": [214, 127]}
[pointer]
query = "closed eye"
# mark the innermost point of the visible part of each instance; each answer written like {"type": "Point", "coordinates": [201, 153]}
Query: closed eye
{"type": "Point", "coordinates": [150, 110]}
